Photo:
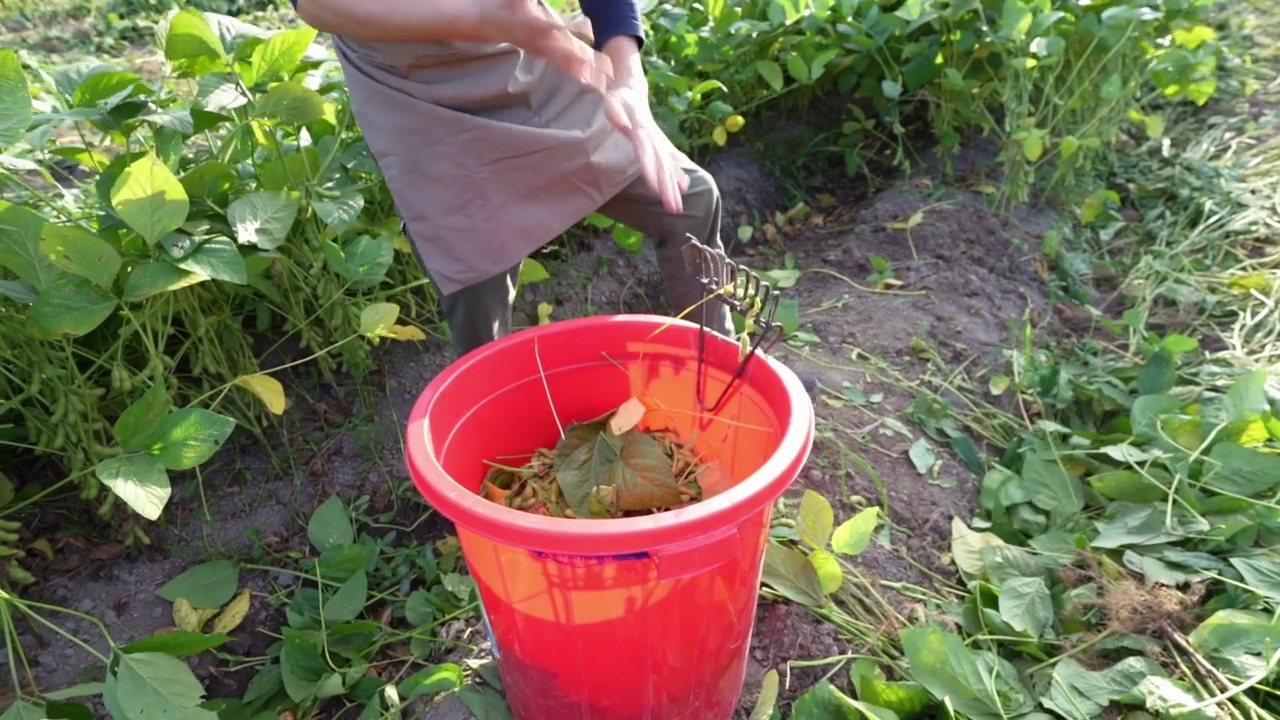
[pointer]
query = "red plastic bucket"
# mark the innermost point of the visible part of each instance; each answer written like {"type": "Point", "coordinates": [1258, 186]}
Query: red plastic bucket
{"type": "Point", "coordinates": [633, 618]}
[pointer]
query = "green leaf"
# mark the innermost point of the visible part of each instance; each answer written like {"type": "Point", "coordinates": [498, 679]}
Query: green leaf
{"type": "Point", "coordinates": [292, 103]}
{"type": "Point", "coordinates": [348, 601]}
{"type": "Point", "coordinates": [1026, 605]}
{"type": "Point", "coordinates": [1247, 397]}
{"type": "Point", "coordinates": [20, 230]}
{"type": "Point", "coordinates": [281, 53]}
{"type": "Point", "coordinates": [137, 428]}
{"type": "Point", "coordinates": [364, 260]}
{"type": "Point", "coordinates": [1231, 632]}
{"type": "Point", "coordinates": [922, 456]}
{"type": "Point", "coordinates": [18, 291]}
{"type": "Point", "coordinates": [1261, 573]}
{"type": "Point", "coordinates": [1172, 699]}
{"type": "Point", "coordinates": [376, 318]}
{"type": "Point", "coordinates": [340, 213]}
{"type": "Point", "coordinates": [771, 72]}
{"type": "Point", "coordinates": [974, 683]}
{"type": "Point", "coordinates": [157, 276]}
{"type": "Point", "coordinates": [190, 38]}
{"type": "Point", "coordinates": [854, 535]}
{"type": "Point", "coordinates": [815, 521]}
{"type": "Point", "coordinates": [419, 609]}
{"type": "Point", "coordinates": [824, 702]}
{"type": "Point", "coordinates": [532, 271]}
{"type": "Point", "coordinates": [69, 306]}
{"type": "Point", "coordinates": [1159, 374]}
{"type": "Point", "coordinates": [485, 703]}
{"type": "Point", "coordinates": [149, 198]}
{"type": "Point", "coordinates": [15, 99]}
{"type": "Point", "coordinates": [263, 219]}
{"type": "Point", "coordinates": [159, 685]}
{"type": "Point", "coordinates": [797, 68]}
{"type": "Point", "coordinates": [139, 480]}
{"type": "Point", "coordinates": [301, 663]}
{"type": "Point", "coordinates": [1068, 146]}
{"type": "Point", "coordinates": [767, 700]}
{"type": "Point", "coordinates": [906, 699]}
{"type": "Point", "coordinates": [178, 644]}
{"type": "Point", "coordinates": [1241, 470]}
{"type": "Point", "coordinates": [1080, 694]}
{"type": "Point", "coordinates": [217, 259]}
{"type": "Point", "coordinates": [23, 710]}
{"type": "Point", "coordinates": [432, 680]}
{"type": "Point", "coordinates": [891, 89]}
{"type": "Point", "coordinates": [791, 574]}
{"type": "Point", "coordinates": [1052, 487]}
{"type": "Point", "coordinates": [206, 586]}
{"type": "Point", "coordinates": [330, 525]}
{"type": "Point", "coordinates": [1128, 485]}
{"type": "Point", "coordinates": [190, 436]}
{"type": "Point", "coordinates": [82, 253]}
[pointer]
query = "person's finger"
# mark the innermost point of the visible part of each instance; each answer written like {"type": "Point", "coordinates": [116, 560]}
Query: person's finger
{"type": "Point", "coordinates": [552, 40]}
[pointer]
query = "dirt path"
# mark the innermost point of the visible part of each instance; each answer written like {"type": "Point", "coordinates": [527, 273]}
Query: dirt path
{"type": "Point", "coordinates": [952, 304]}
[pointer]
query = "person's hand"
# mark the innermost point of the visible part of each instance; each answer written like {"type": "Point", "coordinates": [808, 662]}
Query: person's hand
{"type": "Point", "coordinates": [537, 29]}
{"type": "Point", "coordinates": [627, 107]}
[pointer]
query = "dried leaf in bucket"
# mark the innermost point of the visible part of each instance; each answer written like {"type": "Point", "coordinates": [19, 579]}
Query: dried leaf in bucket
{"type": "Point", "coordinates": [609, 467]}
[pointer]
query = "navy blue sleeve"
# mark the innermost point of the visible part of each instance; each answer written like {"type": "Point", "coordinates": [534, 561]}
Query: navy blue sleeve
{"type": "Point", "coordinates": [611, 18]}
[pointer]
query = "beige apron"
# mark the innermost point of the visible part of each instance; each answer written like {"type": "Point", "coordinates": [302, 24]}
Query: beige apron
{"type": "Point", "coordinates": [489, 153]}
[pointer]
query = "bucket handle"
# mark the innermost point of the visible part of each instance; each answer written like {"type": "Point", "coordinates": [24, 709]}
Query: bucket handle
{"type": "Point", "coordinates": [742, 291]}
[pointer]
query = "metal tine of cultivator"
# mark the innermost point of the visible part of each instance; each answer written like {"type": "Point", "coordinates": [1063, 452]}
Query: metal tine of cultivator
{"type": "Point", "coordinates": [743, 292]}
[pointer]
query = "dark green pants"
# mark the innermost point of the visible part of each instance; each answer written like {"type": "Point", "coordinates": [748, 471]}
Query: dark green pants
{"type": "Point", "coordinates": [481, 313]}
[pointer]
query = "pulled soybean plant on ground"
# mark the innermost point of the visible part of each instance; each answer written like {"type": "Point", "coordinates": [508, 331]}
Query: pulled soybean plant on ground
{"type": "Point", "coordinates": [609, 467]}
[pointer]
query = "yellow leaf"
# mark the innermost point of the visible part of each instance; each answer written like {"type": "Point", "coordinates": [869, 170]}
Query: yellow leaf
{"type": "Point", "coordinates": [401, 244]}
{"type": "Point", "coordinates": [829, 572]}
{"type": "Point", "coordinates": [185, 616]}
{"type": "Point", "coordinates": [720, 136]}
{"type": "Point", "coordinates": [734, 123]}
{"type": "Point", "coordinates": [627, 416]}
{"type": "Point", "coordinates": [232, 615]}
{"type": "Point", "coordinates": [203, 616]}
{"type": "Point", "coordinates": [403, 332]}
{"type": "Point", "coordinates": [268, 389]}
{"type": "Point", "coordinates": [43, 546]}
{"type": "Point", "coordinates": [544, 313]}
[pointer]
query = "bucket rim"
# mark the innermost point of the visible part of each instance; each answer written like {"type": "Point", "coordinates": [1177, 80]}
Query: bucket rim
{"type": "Point", "coordinates": [602, 536]}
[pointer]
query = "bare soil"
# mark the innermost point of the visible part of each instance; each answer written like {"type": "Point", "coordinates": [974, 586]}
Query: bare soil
{"type": "Point", "coordinates": [962, 291]}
